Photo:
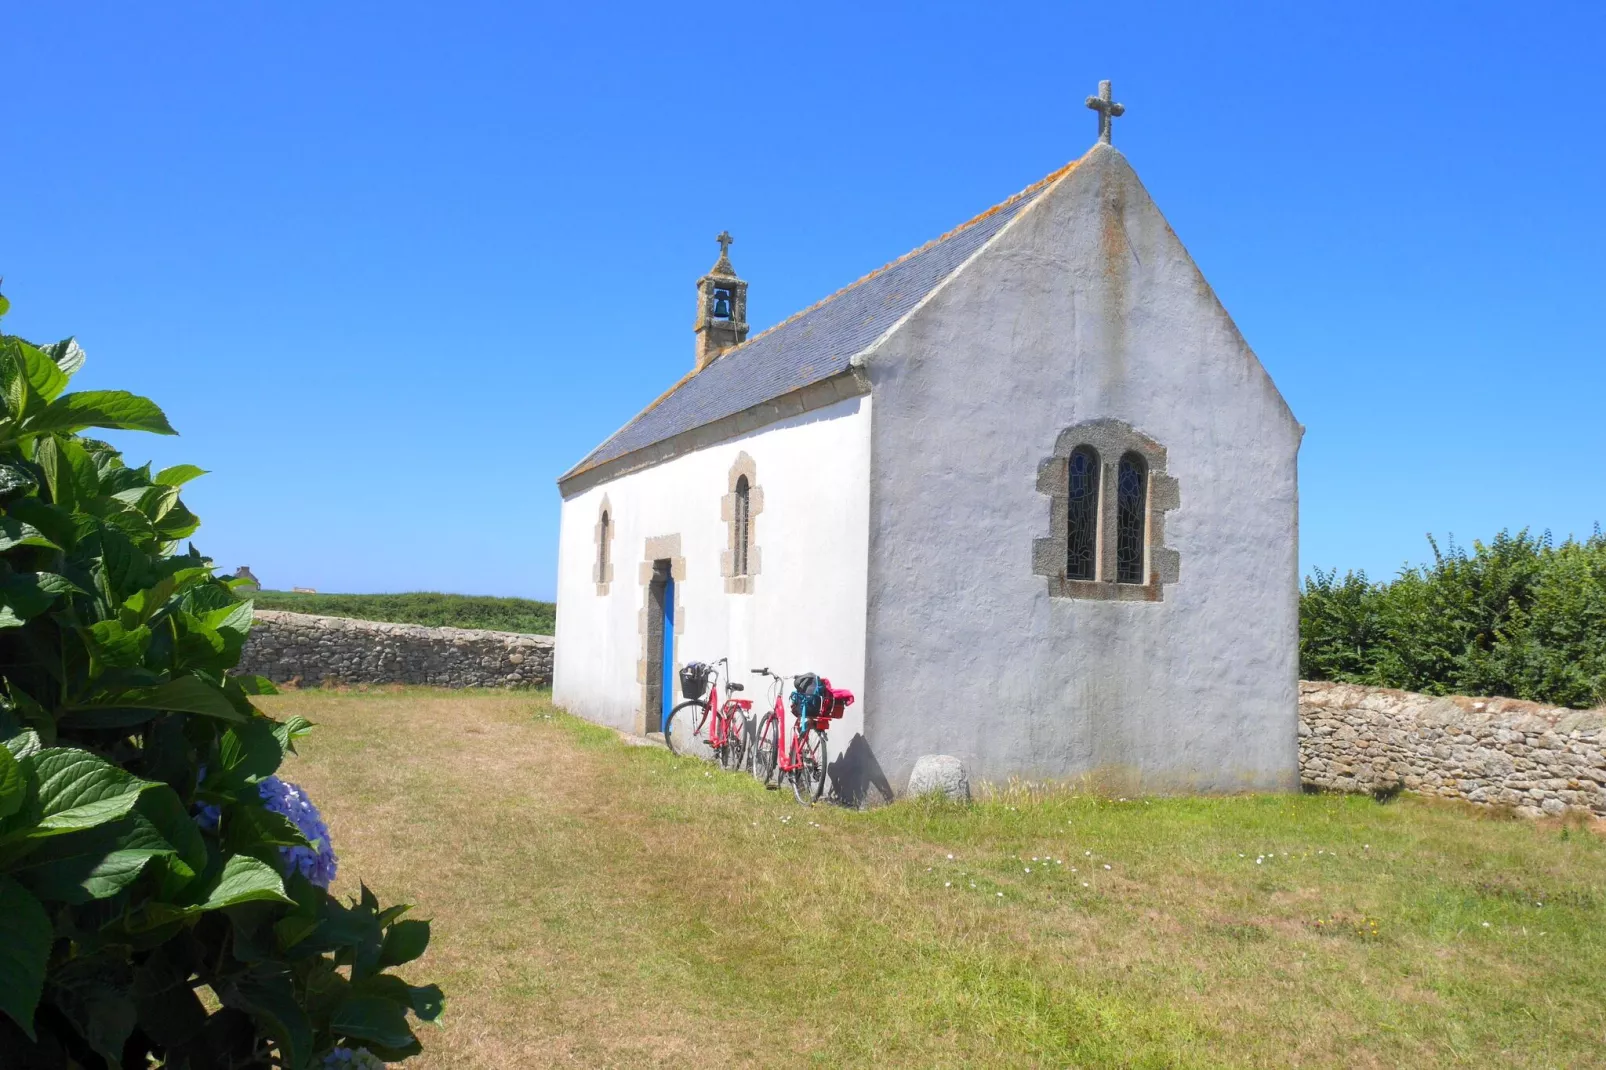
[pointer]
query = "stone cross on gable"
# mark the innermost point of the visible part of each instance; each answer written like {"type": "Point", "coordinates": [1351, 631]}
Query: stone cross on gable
{"type": "Point", "coordinates": [1107, 109]}
{"type": "Point", "coordinates": [724, 240]}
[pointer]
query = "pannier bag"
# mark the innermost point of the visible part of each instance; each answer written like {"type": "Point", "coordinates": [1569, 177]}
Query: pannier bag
{"type": "Point", "coordinates": [817, 702]}
{"type": "Point", "coordinates": [694, 680]}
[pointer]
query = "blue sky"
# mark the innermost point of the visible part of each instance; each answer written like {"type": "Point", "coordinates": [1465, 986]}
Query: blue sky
{"type": "Point", "coordinates": [391, 268]}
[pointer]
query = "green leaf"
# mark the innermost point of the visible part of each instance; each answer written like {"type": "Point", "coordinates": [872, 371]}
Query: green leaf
{"type": "Point", "coordinates": [170, 1013]}
{"type": "Point", "coordinates": [248, 829]}
{"type": "Point", "coordinates": [99, 408]}
{"type": "Point", "coordinates": [13, 784]}
{"type": "Point", "coordinates": [68, 355]}
{"type": "Point", "coordinates": [187, 694]}
{"type": "Point", "coordinates": [251, 750]}
{"type": "Point", "coordinates": [23, 744]}
{"type": "Point", "coordinates": [71, 474]}
{"type": "Point", "coordinates": [14, 532]}
{"type": "Point", "coordinates": [404, 942]}
{"type": "Point", "coordinates": [28, 594]}
{"type": "Point", "coordinates": [270, 998]}
{"type": "Point", "coordinates": [96, 1000]}
{"type": "Point", "coordinates": [45, 376]}
{"type": "Point", "coordinates": [113, 646]}
{"type": "Point", "coordinates": [178, 475]}
{"type": "Point", "coordinates": [25, 937]}
{"type": "Point", "coordinates": [58, 525]}
{"type": "Point", "coordinates": [14, 479]}
{"type": "Point", "coordinates": [235, 619]}
{"type": "Point", "coordinates": [77, 790]}
{"type": "Point", "coordinates": [245, 880]}
{"type": "Point", "coordinates": [426, 1001]}
{"type": "Point", "coordinates": [290, 730]}
{"type": "Point", "coordinates": [372, 1018]}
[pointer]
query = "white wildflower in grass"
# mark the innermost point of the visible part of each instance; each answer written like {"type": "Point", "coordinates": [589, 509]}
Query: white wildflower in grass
{"type": "Point", "coordinates": [1028, 869]}
{"type": "Point", "coordinates": [1084, 884]}
{"type": "Point", "coordinates": [1000, 895]}
{"type": "Point", "coordinates": [947, 884]}
{"type": "Point", "coordinates": [950, 858]}
{"type": "Point", "coordinates": [1485, 925]}
{"type": "Point", "coordinates": [1106, 865]}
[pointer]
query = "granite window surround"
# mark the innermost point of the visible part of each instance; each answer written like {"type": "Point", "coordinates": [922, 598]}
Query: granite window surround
{"type": "Point", "coordinates": [739, 562]}
{"type": "Point", "coordinates": [602, 538]}
{"type": "Point", "coordinates": [1112, 441]}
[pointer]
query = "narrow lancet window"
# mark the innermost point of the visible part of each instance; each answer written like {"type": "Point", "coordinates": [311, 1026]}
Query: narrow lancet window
{"type": "Point", "coordinates": [743, 523]}
{"type": "Point", "coordinates": [1082, 515]}
{"type": "Point", "coordinates": [1131, 518]}
{"type": "Point", "coordinates": [602, 548]}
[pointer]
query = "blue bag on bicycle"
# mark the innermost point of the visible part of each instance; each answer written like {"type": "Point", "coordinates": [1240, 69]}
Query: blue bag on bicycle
{"type": "Point", "coordinates": [807, 691]}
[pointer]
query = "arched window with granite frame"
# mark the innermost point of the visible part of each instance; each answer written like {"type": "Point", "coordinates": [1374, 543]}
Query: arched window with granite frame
{"type": "Point", "coordinates": [1108, 492]}
{"type": "Point", "coordinates": [602, 568]}
{"type": "Point", "coordinates": [739, 509]}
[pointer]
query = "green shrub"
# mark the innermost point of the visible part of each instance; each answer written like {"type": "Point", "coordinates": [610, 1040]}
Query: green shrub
{"type": "Point", "coordinates": [1519, 616]}
{"type": "Point", "coordinates": [422, 607]}
{"type": "Point", "coordinates": [162, 892]}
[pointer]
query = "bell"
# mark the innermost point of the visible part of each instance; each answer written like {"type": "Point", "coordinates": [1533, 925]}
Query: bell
{"type": "Point", "coordinates": [722, 307]}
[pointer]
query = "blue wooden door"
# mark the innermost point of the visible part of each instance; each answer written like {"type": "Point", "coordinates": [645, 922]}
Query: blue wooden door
{"type": "Point", "coordinates": [666, 656]}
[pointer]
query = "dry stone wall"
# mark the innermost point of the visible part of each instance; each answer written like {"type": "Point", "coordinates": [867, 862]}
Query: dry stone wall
{"type": "Point", "coordinates": [313, 649]}
{"type": "Point", "coordinates": [1501, 752]}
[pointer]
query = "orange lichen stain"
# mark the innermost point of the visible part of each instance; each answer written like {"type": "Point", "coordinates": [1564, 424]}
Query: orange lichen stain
{"type": "Point", "coordinates": [1046, 180]}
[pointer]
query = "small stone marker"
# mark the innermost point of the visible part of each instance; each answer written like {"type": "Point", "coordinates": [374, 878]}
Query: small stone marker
{"type": "Point", "coordinates": [940, 773]}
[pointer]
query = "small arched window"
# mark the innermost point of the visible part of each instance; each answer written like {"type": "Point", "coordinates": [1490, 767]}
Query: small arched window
{"type": "Point", "coordinates": [743, 520]}
{"type": "Point", "coordinates": [1131, 518]}
{"type": "Point", "coordinates": [1082, 515]}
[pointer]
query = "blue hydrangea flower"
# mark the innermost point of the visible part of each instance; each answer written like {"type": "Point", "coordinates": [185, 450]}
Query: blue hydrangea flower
{"type": "Point", "coordinates": [317, 863]}
{"type": "Point", "coordinates": [361, 1059]}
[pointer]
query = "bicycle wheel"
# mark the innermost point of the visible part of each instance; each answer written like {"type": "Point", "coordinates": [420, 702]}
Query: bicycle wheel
{"type": "Point", "coordinates": [735, 748]}
{"type": "Point", "coordinates": [764, 752]}
{"type": "Point", "coordinates": [808, 779]}
{"type": "Point", "coordinates": [690, 726]}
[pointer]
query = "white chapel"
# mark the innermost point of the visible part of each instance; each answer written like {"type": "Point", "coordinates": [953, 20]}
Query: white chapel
{"type": "Point", "coordinates": [1025, 490]}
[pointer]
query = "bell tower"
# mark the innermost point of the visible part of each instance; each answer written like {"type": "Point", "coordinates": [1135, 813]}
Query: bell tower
{"type": "Point", "coordinates": [721, 307]}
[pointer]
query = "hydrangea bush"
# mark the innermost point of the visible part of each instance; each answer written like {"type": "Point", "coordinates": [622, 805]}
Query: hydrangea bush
{"type": "Point", "coordinates": [163, 893]}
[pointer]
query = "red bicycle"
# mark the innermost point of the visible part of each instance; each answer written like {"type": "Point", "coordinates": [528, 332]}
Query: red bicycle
{"type": "Point", "coordinates": [725, 723]}
{"type": "Point", "coordinates": [798, 758]}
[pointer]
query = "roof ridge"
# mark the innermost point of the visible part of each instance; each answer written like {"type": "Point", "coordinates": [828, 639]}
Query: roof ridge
{"type": "Point", "coordinates": [1057, 173]}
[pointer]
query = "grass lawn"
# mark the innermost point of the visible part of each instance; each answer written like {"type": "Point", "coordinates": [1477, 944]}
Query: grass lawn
{"type": "Point", "coordinates": [598, 904]}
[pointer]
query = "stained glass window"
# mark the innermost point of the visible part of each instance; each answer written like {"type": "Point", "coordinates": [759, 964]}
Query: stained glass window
{"type": "Point", "coordinates": [1131, 505]}
{"type": "Point", "coordinates": [1082, 519]}
{"type": "Point", "coordinates": [743, 514]}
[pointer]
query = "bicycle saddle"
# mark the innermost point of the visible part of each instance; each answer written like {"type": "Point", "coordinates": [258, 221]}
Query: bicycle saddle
{"type": "Point", "coordinates": [735, 687]}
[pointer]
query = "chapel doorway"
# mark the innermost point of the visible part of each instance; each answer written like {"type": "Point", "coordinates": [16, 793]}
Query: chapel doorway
{"type": "Point", "coordinates": [661, 691]}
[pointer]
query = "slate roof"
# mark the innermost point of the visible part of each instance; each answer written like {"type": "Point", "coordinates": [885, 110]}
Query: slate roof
{"type": "Point", "coordinates": [812, 345]}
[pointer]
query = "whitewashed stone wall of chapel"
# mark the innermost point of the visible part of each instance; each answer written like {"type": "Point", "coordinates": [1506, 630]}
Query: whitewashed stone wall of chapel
{"type": "Point", "coordinates": [806, 611]}
{"type": "Point", "coordinates": [1085, 307]}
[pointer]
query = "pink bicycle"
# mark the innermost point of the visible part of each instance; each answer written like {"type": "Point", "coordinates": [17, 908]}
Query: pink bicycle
{"type": "Point", "coordinates": [722, 726]}
{"type": "Point", "coordinates": [797, 753]}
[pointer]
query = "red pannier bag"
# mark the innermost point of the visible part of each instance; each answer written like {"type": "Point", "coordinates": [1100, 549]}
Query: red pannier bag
{"type": "Point", "coordinates": [834, 702]}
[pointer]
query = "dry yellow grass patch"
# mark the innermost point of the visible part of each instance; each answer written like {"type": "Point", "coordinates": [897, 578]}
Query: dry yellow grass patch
{"type": "Point", "coordinates": [603, 905]}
